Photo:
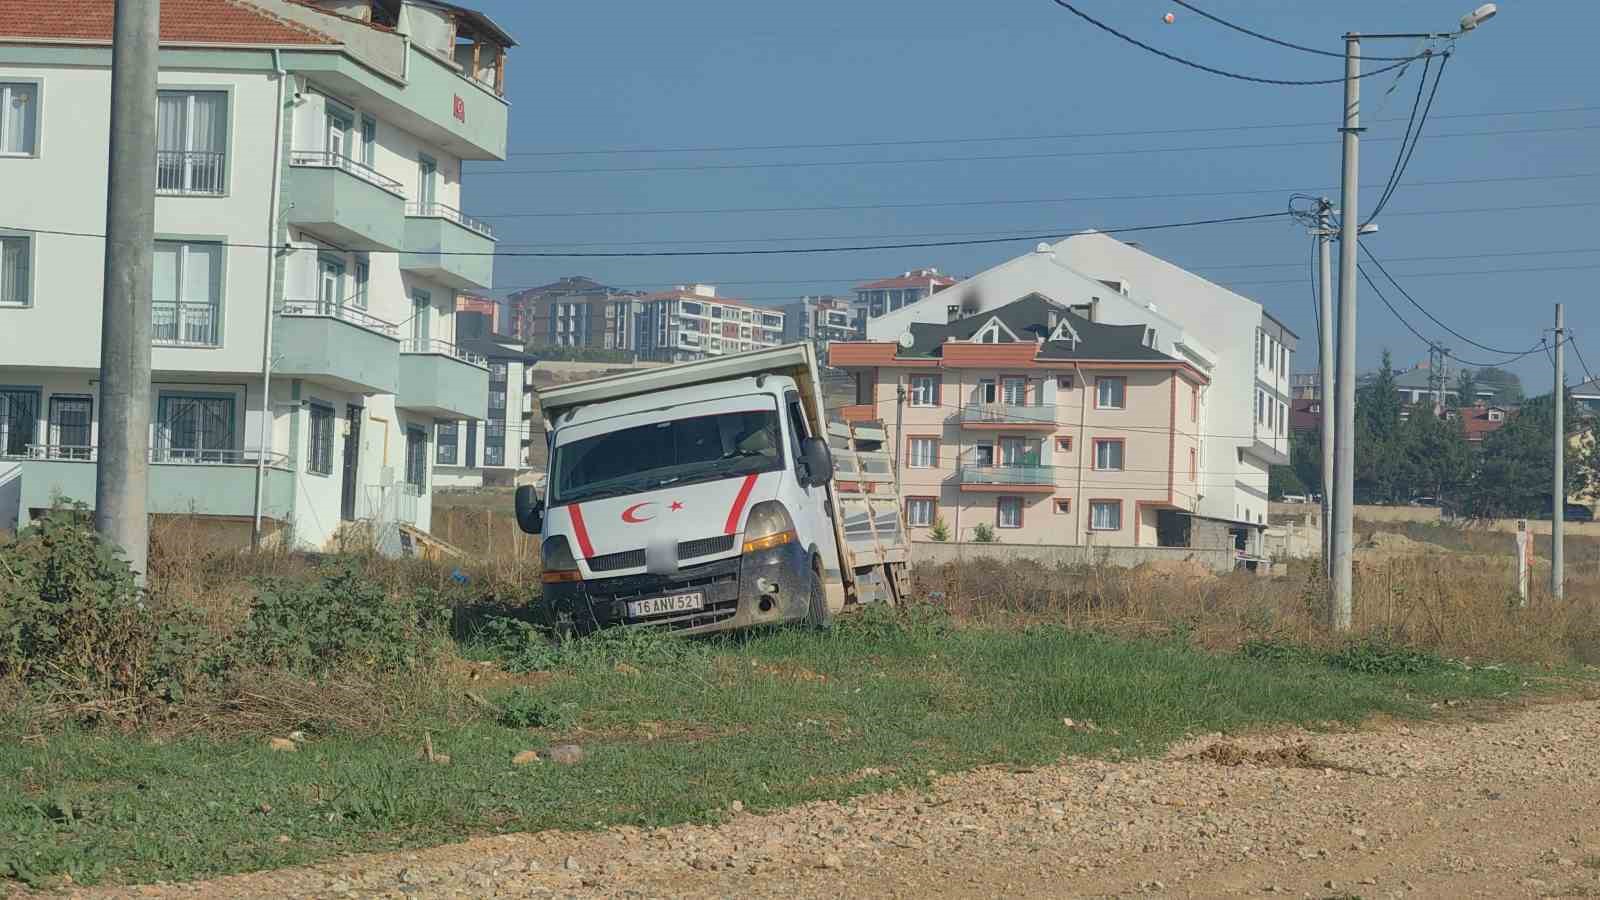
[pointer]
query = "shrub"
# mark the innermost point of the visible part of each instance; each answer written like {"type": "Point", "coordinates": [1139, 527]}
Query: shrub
{"type": "Point", "coordinates": [939, 531]}
{"type": "Point", "coordinates": [521, 647]}
{"type": "Point", "coordinates": [526, 708]}
{"type": "Point", "coordinates": [983, 533]}
{"type": "Point", "coordinates": [344, 621]}
{"type": "Point", "coordinates": [75, 625]}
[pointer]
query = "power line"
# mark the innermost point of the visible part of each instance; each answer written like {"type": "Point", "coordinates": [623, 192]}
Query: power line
{"type": "Point", "coordinates": [1403, 157]}
{"type": "Point", "coordinates": [997, 139]}
{"type": "Point", "coordinates": [1434, 345]}
{"type": "Point", "coordinates": [1257, 79]}
{"type": "Point", "coordinates": [1059, 154]}
{"type": "Point", "coordinates": [1450, 274]}
{"type": "Point", "coordinates": [1582, 361]}
{"type": "Point", "coordinates": [1281, 43]}
{"type": "Point", "coordinates": [934, 204]}
{"type": "Point", "coordinates": [1436, 320]}
{"type": "Point", "coordinates": [993, 233]}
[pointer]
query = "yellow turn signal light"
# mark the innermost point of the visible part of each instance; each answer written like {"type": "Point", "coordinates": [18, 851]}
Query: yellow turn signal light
{"type": "Point", "coordinates": [768, 542]}
{"type": "Point", "coordinates": [560, 576]}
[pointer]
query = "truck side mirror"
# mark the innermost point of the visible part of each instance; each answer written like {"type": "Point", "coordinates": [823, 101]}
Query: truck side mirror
{"type": "Point", "coordinates": [818, 458]}
{"type": "Point", "coordinates": [530, 510]}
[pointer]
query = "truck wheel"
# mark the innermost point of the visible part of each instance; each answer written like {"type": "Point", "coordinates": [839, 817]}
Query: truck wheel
{"type": "Point", "coordinates": [817, 614]}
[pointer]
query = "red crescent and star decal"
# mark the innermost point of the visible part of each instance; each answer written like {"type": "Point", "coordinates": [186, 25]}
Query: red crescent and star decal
{"type": "Point", "coordinates": [631, 514]}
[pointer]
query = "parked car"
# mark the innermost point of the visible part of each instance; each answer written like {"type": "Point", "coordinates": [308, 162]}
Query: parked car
{"type": "Point", "coordinates": [1293, 498]}
{"type": "Point", "coordinates": [1577, 512]}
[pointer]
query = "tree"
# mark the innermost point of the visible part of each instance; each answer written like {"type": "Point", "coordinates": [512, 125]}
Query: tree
{"type": "Point", "coordinates": [1284, 480]}
{"type": "Point", "coordinates": [1305, 455]}
{"type": "Point", "coordinates": [1516, 467]}
{"type": "Point", "coordinates": [1378, 453]}
{"type": "Point", "coordinates": [940, 531]}
{"type": "Point", "coordinates": [1434, 457]}
{"type": "Point", "coordinates": [1466, 386]}
{"type": "Point", "coordinates": [983, 533]}
{"type": "Point", "coordinates": [1507, 386]}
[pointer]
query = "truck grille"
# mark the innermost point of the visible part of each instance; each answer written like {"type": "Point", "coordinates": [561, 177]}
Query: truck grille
{"type": "Point", "coordinates": [633, 559]}
{"type": "Point", "coordinates": [705, 546]}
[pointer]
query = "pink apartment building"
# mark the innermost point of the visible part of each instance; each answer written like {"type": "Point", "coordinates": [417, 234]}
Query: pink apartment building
{"type": "Point", "coordinates": [1038, 423]}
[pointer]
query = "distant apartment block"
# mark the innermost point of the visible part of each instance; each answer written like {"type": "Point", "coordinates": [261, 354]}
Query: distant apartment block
{"type": "Point", "coordinates": [691, 322]}
{"type": "Point", "coordinates": [301, 385]}
{"type": "Point", "coordinates": [876, 298]}
{"type": "Point", "coordinates": [578, 311]}
{"type": "Point", "coordinates": [491, 450]}
{"type": "Point", "coordinates": [818, 320]}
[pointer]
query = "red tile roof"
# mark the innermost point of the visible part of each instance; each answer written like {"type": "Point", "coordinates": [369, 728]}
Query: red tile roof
{"type": "Point", "coordinates": [182, 21]}
{"type": "Point", "coordinates": [920, 278]}
{"type": "Point", "coordinates": [1476, 423]}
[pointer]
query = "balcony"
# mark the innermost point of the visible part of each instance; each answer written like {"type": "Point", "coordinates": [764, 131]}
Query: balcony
{"type": "Point", "coordinates": [346, 202]}
{"type": "Point", "coordinates": [184, 324]}
{"type": "Point", "coordinates": [973, 474]}
{"type": "Point", "coordinates": [449, 247]}
{"type": "Point", "coordinates": [337, 344]}
{"type": "Point", "coordinates": [182, 482]}
{"type": "Point", "coordinates": [196, 173]}
{"type": "Point", "coordinates": [1007, 417]}
{"type": "Point", "coordinates": [441, 380]}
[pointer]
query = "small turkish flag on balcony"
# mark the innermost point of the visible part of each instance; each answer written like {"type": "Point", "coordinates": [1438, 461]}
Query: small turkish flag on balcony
{"type": "Point", "coordinates": [460, 109]}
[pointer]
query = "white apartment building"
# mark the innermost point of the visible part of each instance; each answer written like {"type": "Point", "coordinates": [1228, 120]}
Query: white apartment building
{"type": "Point", "coordinates": [1231, 339]}
{"type": "Point", "coordinates": [309, 250]}
{"type": "Point", "coordinates": [692, 322]}
{"type": "Point", "coordinates": [471, 453]}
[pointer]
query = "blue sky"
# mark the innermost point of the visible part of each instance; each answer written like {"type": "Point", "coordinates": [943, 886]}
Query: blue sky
{"type": "Point", "coordinates": [716, 73]}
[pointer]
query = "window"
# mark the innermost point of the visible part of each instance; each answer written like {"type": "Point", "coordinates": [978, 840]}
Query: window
{"type": "Point", "coordinates": [16, 285]}
{"type": "Point", "coordinates": [925, 390]}
{"type": "Point", "coordinates": [1063, 382]}
{"type": "Point", "coordinates": [1008, 512]}
{"type": "Point", "coordinates": [1014, 391]}
{"type": "Point", "coordinates": [919, 512]}
{"type": "Point", "coordinates": [19, 416]}
{"type": "Point", "coordinates": [983, 455]}
{"type": "Point", "coordinates": [1194, 464]}
{"type": "Point", "coordinates": [417, 458]}
{"type": "Point", "coordinates": [471, 458]}
{"type": "Point", "coordinates": [1105, 515]}
{"type": "Point", "coordinates": [1283, 416]}
{"type": "Point", "coordinates": [1194, 403]}
{"type": "Point", "coordinates": [1270, 410]}
{"type": "Point", "coordinates": [187, 307]}
{"type": "Point", "coordinates": [444, 440]}
{"type": "Point", "coordinates": [689, 308]}
{"type": "Point", "coordinates": [1108, 455]}
{"type": "Point", "coordinates": [1110, 393]}
{"type": "Point", "coordinates": [427, 174]}
{"type": "Point", "coordinates": [71, 428]}
{"type": "Point", "coordinates": [369, 141]}
{"type": "Point", "coordinates": [319, 452]}
{"type": "Point", "coordinates": [194, 428]}
{"type": "Point", "coordinates": [1316, 409]}
{"type": "Point", "coordinates": [1283, 358]}
{"type": "Point", "coordinates": [1063, 506]}
{"type": "Point", "coordinates": [1064, 444]}
{"type": "Point", "coordinates": [363, 280]}
{"type": "Point", "coordinates": [987, 392]}
{"type": "Point", "coordinates": [191, 142]}
{"type": "Point", "coordinates": [1261, 406]}
{"type": "Point", "coordinates": [421, 327]}
{"type": "Point", "coordinates": [923, 452]}
{"type": "Point", "coordinates": [1272, 354]}
{"type": "Point", "coordinates": [1261, 349]}
{"type": "Point", "coordinates": [19, 118]}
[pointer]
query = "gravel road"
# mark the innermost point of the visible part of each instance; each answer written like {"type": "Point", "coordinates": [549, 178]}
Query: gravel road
{"type": "Point", "coordinates": [1502, 808]}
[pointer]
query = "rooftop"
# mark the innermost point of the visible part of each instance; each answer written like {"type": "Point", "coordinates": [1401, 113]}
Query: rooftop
{"type": "Point", "coordinates": [1036, 318]}
{"type": "Point", "coordinates": [913, 278]}
{"type": "Point", "coordinates": [182, 21]}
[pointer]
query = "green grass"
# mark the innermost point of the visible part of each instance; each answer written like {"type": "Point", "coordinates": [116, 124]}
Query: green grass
{"type": "Point", "coordinates": [773, 720]}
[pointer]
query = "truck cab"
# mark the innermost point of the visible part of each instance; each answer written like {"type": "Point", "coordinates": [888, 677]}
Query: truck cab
{"type": "Point", "coordinates": [697, 508]}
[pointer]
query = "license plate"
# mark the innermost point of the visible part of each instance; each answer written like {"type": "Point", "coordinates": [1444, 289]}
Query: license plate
{"type": "Point", "coordinates": [655, 606]}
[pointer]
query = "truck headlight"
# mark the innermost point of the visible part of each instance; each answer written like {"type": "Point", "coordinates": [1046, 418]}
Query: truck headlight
{"type": "Point", "coordinates": [559, 565]}
{"type": "Point", "coordinates": [769, 526]}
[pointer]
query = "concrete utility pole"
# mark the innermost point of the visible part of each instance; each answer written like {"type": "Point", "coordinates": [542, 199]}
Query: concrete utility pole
{"type": "Point", "coordinates": [1342, 574]}
{"type": "Point", "coordinates": [122, 476]}
{"type": "Point", "coordinates": [1558, 497]}
{"type": "Point", "coordinates": [1325, 371]}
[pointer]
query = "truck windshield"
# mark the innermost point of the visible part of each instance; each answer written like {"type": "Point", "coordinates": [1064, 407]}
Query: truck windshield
{"type": "Point", "coordinates": [646, 457]}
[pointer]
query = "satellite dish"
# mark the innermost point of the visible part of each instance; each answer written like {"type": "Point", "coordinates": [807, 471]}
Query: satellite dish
{"type": "Point", "coordinates": [907, 341]}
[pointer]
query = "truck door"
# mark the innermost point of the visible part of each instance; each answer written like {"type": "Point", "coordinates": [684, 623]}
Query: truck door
{"type": "Point", "coordinates": [813, 521]}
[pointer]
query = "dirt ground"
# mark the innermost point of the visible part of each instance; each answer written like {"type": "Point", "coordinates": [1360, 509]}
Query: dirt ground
{"type": "Point", "coordinates": [1499, 803]}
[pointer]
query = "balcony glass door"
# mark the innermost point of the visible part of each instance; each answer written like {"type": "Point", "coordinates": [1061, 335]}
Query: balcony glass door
{"type": "Point", "coordinates": [421, 312]}
{"type": "Point", "coordinates": [70, 428]}
{"type": "Point", "coordinates": [339, 126]}
{"type": "Point", "coordinates": [427, 173]}
{"type": "Point", "coordinates": [1014, 391]}
{"type": "Point", "coordinates": [331, 285]}
{"type": "Point", "coordinates": [19, 414]}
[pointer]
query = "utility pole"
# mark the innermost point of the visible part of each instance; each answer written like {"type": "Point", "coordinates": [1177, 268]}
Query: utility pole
{"type": "Point", "coordinates": [122, 476]}
{"type": "Point", "coordinates": [1342, 576]}
{"type": "Point", "coordinates": [1558, 497]}
{"type": "Point", "coordinates": [1325, 371]}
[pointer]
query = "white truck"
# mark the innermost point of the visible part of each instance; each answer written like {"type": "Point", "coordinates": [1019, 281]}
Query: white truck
{"type": "Point", "coordinates": [701, 497]}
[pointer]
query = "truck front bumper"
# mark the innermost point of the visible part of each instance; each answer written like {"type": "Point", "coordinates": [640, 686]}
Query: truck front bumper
{"type": "Point", "coordinates": [762, 588]}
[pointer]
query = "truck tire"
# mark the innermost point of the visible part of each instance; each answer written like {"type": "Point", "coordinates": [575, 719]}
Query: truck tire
{"type": "Point", "coordinates": [817, 613]}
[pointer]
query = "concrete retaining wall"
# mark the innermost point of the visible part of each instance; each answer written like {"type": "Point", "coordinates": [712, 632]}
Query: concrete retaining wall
{"type": "Point", "coordinates": [1397, 513]}
{"type": "Point", "coordinates": [941, 552]}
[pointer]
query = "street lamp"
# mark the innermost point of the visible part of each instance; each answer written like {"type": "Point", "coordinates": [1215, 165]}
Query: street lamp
{"type": "Point", "coordinates": [1341, 570]}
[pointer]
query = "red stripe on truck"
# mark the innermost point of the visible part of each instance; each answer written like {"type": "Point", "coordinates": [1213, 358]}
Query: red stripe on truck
{"type": "Point", "coordinates": [738, 504]}
{"type": "Point", "coordinates": [580, 532]}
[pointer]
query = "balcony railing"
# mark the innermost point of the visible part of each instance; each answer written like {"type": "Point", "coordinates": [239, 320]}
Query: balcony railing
{"type": "Point", "coordinates": [190, 172]}
{"type": "Point", "coordinates": [184, 324]}
{"type": "Point", "coordinates": [341, 311]}
{"type": "Point", "coordinates": [327, 159]}
{"type": "Point", "coordinates": [1006, 475]}
{"type": "Point", "coordinates": [1007, 414]}
{"type": "Point", "coordinates": [441, 211]}
{"type": "Point", "coordinates": [160, 455]}
{"type": "Point", "coordinates": [444, 348]}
